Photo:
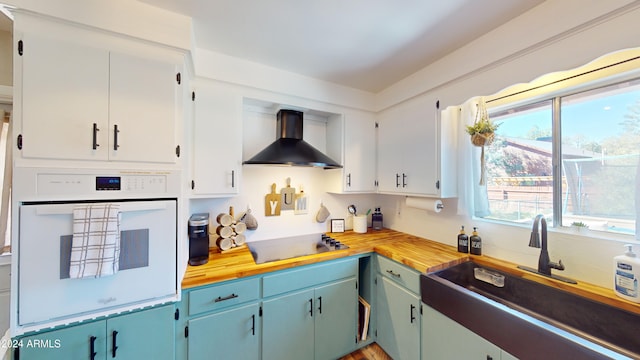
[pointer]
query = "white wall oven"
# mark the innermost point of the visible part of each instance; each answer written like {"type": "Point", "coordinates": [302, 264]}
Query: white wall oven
{"type": "Point", "coordinates": [92, 243]}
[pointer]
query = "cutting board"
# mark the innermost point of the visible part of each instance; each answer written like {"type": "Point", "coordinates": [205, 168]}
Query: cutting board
{"type": "Point", "coordinates": [288, 195]}
{"type": "Point", "coordinates": [272, 203]}
{"type": "Point", "coordinates": [301, 203]}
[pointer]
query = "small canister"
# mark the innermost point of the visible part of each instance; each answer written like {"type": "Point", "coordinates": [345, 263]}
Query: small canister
{"type": "Point", "coordinates": [376, 219]}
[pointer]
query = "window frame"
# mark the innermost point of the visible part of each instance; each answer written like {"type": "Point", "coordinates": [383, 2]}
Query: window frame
{"type": "Point", "coordinates": [587, 81]}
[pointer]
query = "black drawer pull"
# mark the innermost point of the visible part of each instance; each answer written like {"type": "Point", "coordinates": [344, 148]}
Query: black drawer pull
{"type": "Point", "coordinates": [95, 136]}
{"type": "Point", "coordinates": [229, 297]}
{"type": "Point", "coordinates": [412, 316]}
{"type": "Point", "coordinates": [393, 274]}
{"type": "Point", "coordinates": [92, 348]}
{"type": "Point", "coordinates": [253, 324]}
{"type": "Point", "coordinates": [114, 345]}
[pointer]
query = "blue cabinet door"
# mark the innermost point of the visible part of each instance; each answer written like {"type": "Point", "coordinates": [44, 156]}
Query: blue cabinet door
{"type": "Point", "coordinates": [398, 320]}
{"type": "Point", "coordinates": [288, 326]}
{"type": "Point", "coordinates": [73, 342]}
{"type": "Point", "coordinates": [336, 323]}
{"type": "Point", "coordinates": [147, 334]}
{"type": "Point", "coordinates": [444, 338]}
{"type": "Point", "coordinates": [232, 334]}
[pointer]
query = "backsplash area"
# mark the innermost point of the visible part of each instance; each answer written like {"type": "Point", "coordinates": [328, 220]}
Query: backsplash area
{"type": "Point", "coordinates": [256, 183]}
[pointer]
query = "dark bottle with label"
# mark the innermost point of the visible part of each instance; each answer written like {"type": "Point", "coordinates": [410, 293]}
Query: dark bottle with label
{"type": "Point", "coordinates": [376, 219]}
{"type": "Point", "coordinates": [463, 241]}
{"type": "Point", "coordinates": [476, 243]}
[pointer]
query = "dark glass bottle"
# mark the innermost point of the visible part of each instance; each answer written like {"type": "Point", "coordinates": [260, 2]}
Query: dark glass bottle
{"type": "Point", "coordinates": [463, 241]}
{"type": "Point", "coordinates": [376, 219]}
{"type": "Point", "coordinates": [476, 243]}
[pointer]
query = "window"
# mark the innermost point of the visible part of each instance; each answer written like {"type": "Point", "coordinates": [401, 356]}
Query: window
{"type": "Point", "coordinates": [592, 138]}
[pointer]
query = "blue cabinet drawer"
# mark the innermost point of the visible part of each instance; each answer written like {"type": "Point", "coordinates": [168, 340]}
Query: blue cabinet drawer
{"type": "Point", "coordinates": [223, 295]}
{"type": "Point", "coordinates": [401, 274]}
{"type": "Point", "coordinates": [307, 276]}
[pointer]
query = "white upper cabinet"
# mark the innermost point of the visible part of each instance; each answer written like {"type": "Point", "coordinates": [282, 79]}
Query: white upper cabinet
{"type": "Point", "coordinates": [416, 155]}
{"type": "Point", "coordinates": [217, 139]}
{"type": "Point", "coordinates": [85, 103]}
{"type": "Point", "coordinates": [142, 109]}
{"type": "Point", "coordinates": [351, 140]}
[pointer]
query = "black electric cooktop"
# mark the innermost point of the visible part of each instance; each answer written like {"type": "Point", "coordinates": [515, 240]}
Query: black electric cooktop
{"type": "Point", "coordinates": [289, 247]}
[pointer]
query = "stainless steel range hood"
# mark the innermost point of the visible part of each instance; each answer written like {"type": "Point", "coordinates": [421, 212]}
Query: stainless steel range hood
{"type": "Point", "coordinates": [289, 147]}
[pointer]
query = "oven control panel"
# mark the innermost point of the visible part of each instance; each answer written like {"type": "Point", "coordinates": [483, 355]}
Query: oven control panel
{"type": "Point", "coordinates": [90, 184]}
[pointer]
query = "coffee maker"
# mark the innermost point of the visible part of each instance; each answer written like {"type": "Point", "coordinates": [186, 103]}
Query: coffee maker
{"type": "Point", "coordinates": [198, 239]}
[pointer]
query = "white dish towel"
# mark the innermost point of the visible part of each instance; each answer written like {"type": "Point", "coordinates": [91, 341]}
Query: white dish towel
{"type": "Point", "coordinates": [95, 246]}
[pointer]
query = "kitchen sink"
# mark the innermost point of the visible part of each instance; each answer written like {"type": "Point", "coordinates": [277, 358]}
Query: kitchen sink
{"type": "Point", "coordinates": [529, 319]}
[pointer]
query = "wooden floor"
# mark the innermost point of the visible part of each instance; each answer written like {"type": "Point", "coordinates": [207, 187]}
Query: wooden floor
{"type": "Point", "coordinates": [371, 352]}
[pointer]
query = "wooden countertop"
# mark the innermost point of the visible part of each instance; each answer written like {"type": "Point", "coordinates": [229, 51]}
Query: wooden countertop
{"type": "Point", "coordinates": [418, 253]}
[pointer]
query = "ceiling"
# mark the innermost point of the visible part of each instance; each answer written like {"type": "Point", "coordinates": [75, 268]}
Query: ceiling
{"type": "Point", "coordinates": [363, 44]}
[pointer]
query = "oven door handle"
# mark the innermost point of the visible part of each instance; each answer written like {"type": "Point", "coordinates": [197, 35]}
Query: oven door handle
{"type": "Point", "coordinates": [67, 209]}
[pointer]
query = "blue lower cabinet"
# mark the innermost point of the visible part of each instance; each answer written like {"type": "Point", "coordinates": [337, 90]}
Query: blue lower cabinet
{"type": "Point", "coordinates": [444, 338]}
{"type": "Point", "coordinates": [319, 323]}
{"type": "Point", "coordinates": [230, 334]}
{"type": "Point", "coordinates": [73, 342]}
{"type": "Point", "coordinates": [145, 334]}
{"type": "Point", "coordinates": [287, 323]}
{"type": "Point", "coordinates": [336, 324]}
{"type": "Point", "coordinates": [398, 320]}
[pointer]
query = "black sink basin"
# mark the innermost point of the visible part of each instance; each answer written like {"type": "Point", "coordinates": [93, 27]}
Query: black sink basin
{"type": "Point", "coordinates": [531, 320]}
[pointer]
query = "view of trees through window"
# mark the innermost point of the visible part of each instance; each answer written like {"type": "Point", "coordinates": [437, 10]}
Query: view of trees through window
{"type": "Point", "coordinates": [600, 146]}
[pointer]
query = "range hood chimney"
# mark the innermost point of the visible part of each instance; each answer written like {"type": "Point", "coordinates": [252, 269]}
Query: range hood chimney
{"type": "Point", "coordinates": [289, 147]}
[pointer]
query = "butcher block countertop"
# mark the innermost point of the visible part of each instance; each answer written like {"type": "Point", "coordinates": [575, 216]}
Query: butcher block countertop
{"type": "Point", "coordinates": [418, 253]}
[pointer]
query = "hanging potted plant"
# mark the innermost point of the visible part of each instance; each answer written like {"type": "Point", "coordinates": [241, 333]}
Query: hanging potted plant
{"type": "Point", "coordinates": [483, 129]}
{"type": "Point", "coordinates": [482, 133]}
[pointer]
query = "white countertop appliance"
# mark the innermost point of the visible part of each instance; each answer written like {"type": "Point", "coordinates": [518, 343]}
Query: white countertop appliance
{"type": "Point", "coordinates": [44, 294]}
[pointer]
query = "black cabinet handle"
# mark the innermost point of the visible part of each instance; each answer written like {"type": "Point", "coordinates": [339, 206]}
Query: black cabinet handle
{"type": "Point", "coordinates": [411, 311]}
{"type": "Point", "coordinates": [95, 136]}
{"type": "Point", "coordinates": [229, 297]}
{"type": "Point", "coordinates": [114, 345]}
{"type": "Point", "coordinates": [489, 357]}
{"type": "Point", "coordinates": [397, 180]}
{"type": "Point", "coordinates": [311, 307]}
{"type": "Point", "coordinates": [233, 178]}
{"type": "Point", "coordinates": [393, 274]}
{"type": "Point", "coordinates": [404, 180]}
{"type": "Point", "coordinates": [92, 348]}
{"type": "Point", "coordinates": [349, 180]}
{"type": "Point", "coordinates": [320, 304]}
{"type": "Point", "coordinates": [115, 137]}
{"type": "Point", "coordinates": [253, 324]}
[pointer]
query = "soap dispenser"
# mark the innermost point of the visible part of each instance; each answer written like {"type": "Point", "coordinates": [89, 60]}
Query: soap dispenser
{"type": "Point", "coordinates": [626, 270]}
{"type": "Point", "coordinates": [463, 241]}
{"type": "Point", "coordinates": [475, 247]}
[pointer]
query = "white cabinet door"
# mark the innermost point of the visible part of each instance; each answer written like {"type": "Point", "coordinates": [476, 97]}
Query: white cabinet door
{"type": "Point", "coordinates": [351, 140]}
{"type": "Point", "coordinates": [142, 109]}
{"type": "Point", "coordinates": [65, 91]}
{"type": "Point", "coordinates": [217, 140]}
{"type": "Point", "coordinates": [359, 170]}
{"type": "Point", "coordinates": [391, 151]}
{"type": "Point", "coordinates": [413, 150]}
{"type": "Point", "coordinates": [84, 103]}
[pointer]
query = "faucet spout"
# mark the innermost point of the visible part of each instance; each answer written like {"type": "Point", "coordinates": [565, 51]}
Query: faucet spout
{"type": "Point", "coordinates": [544, 262]}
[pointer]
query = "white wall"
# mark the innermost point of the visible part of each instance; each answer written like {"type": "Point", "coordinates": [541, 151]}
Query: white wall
{"type": "Point", "coordinates": [6, 58]}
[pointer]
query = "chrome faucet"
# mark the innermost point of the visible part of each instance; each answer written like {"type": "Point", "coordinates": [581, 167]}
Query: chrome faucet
{"type": "Point", "coordinates": [544, 263]}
